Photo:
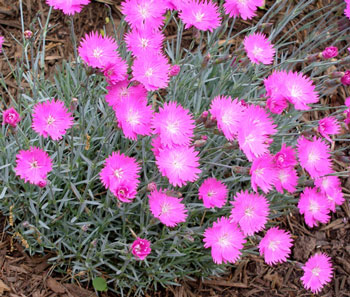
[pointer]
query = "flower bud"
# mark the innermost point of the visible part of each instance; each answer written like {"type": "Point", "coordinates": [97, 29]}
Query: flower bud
{"type": "Point", "coordinates": [11, 117]}
{"type": "Point", "coordinates": [27, 34]}
{"type": "Point", "coordinates": [175, 69]}
{"type": "Point", "coordinates": [141, 248]}
{"type": "Point", "coordinates": [151, 187]}
{"type": "Point", "coordinates": [330, 52]}
{"type": "Point", "coordinates": [345, 80]}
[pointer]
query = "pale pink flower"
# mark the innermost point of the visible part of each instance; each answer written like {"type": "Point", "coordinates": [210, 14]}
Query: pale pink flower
{"type": "Point", "coordinates": [275, 246]}
{"type": "Point", "coordinates": [178, 164]}
{"type": "Point", "coordinates": [244, 8]}
{"type": "Point", "coordinates": [10, 116]}
{"type": "Point", "coordinates": [69, 7]}
{"type": "Point", "coordinates": [314, 206]}
{"type": "Point", "coordinates": [115, 71]}
{"type": "Point", "coordinates": [335, 197]}
{"type": "Point", "coordinates": [141, 248]}
{"type": "Point", "coordinates": [213, 192]}
{"type": "Point", "coordinates": [204, 15]}
{"type": "Point", "coordinates": [264, 173]}
{"type": "Point", "coordinates": [331, 187]}
{"type": "Point", "coordinates": [287, 178]}
{"type": "Point", "coordinates": [328, 126]}
{"type": "Point", "coordinates": [51, 118]}
{"type": "Point", "coordinates": [225, 240]}
{"type": "Point", "coordinates": [314, 156]}
{"type": "Point", "coordinates": [318, 271]}
{"type": "Point", "coordinates": [33, 165]}
{"type": "Point", "coordinates": [228, 114]}
{"type": "Point", "coordinates": [152, 70]}
{"type": "Point", "coordinates": [169, 210]}
{"type": "Point", "coordinates": [285, 157]}
{"type": "Point", "coordinates": [259, 49]}
{"type": "Point", "coordinates": [250, 211]}
{"type": "Point", "coordinates": [330, 52]}
{"type": "Point", "coordinates": [174, 125]}
{"type": "Point", "coordinates": [2, 39]}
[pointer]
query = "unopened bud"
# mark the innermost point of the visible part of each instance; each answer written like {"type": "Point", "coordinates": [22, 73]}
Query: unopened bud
{"type": "Point", "coordinates": [27, 34]}
{"type": "Point", "coordinates": [206, 60]}
{"type": "Point", "coordinates": [151, 187]}
{"type": "Point", "coordinates": [175, 69]}
{"type": "Point", "coordinates": [199, 143]}
{"type": "Point", "coordinates": [73, 104]}
{"type": "Point", "coordinates": [345, 80]}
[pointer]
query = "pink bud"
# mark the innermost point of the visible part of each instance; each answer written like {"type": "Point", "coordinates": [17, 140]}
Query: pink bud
{"type": "Point", "coordinates": [141, 248]}
{"type": "Point", "coordinates": [11, 117]}
{"type": "Point", "coordinates": [345, 80]}
{"type": "Point", "coordinates": [28, 34]}
{"type": "Point", "coordinates": [330, 52]}
{"type": "Point", "coordinates": [151, 187]}
{"type": "Point", "coordinates": [175, 69]}
{"type": "Point", "coordinates": [42, 183]}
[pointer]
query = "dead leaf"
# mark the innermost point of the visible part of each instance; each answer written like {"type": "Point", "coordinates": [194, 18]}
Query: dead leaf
{"type": "Point", "coordinates": [55, 286]}
{"type": "Point", "coordinates": [3, 287]}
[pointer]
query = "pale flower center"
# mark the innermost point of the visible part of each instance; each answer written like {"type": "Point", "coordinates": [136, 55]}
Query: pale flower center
{"type": "Point", "coordinates": [325, 183]}
{"type": "Point", "coordinates": [250, 138]}
{"type": "Point", "coordinates": [314, 207]}
{"type": "Point", "coordinates": [296, 91]}
{"type": "Point", "coordinates": [211, 193]}
{"type": "Point", "coordinates": [273, 244]}
{"type": "Point", "coordinates": [224, 240]}
{"type": "Point", "coordinates": [144, 42]}
{"type": "Point", "coordinates": [199, 16]}
{"type": "Point", "coordinates": [97, 53]}
{"type": "Point", "coordinates": [144, 12]}
{"type": "Point", "coordinates": [259, 172]}
{"type": "Point", "coordinates": [133, 118]}
{"type": "Point", "coordinates": [124, 92]}
{"type": "Point", "coordinates": [316, 271]}
{"type": "Point", "coordinates": [283, 176]}
{"type": "Point", "coordinates": [118, 173]}
{"type": "Point", "coordinates": [330, 198]}
{"type": "Point", "coordinates": [166, 207]}
{"type": "Point", "coordinates": [249, 212]}
{"type": "Point", "coordinates": [242, 1]}
{"type": "Point", "coordinates": [149, 72]}
{"type": "Point", "coordinates": [34, 164]}
{"type": "Point", "coordinates": [257, 51]}
{"type": "Point", "coordinates": [227, 118]}
{"type": "Point", "coordinates": [313, 157]}
{"type": "Point", "coordinates": [50, 120]}
{"type": "Point", "coordinates": [173, 127]}
{"type": "Point", "coordinates": [177, 163]}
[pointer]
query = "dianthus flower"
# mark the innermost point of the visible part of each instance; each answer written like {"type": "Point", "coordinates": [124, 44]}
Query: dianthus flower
{"type": "Point", "coordinates": [213, 193]}
{"type": "Point", "coordinates": [285, 158]}
{"type": "Point", "coordinates": [317, 272]}
{"type": "Point", "coordinates": [327, 183]}
{"type": "Point", "coordinates": [152, 70]}
{"type": "Point", "coordinates": [98, 51]}
{"type": "Point", "coordinates": [174, 70]}
{"type": "Point", "coordinates": [115, 71]}
{"type": "Point", "coordinates": [225, 240]}
{"type": "Point", "coordinates": [1, 42]}
{"type": "Point", "coordinates": [178, 164]}
{"type": "Point", "coordinates": [259, 49]}
{"type": "Point", "coordinates": [143, 41]}
{"type": "Point", "coordinates": [10, 116]}
{"type": "Point", "coordinates": [287, 178]}
{"type": "Point", "coordinates": [51, 118]}
{"type": "Point", "coordinates": [347, 9]}
{"type": "Point", "coordinates": [345, 79]}
{"type": "Point", "coordinates": [174, 125]}
{"type": "Point", "coordinates": [314, 156]}
{"type": "Point", "coordinates": [68, 6]}
{"type": "Point", "coordinates": [328, 126]}
{"type": "Point", "coordinates": [276, 104]}
{"type": "Point", "coordinates": [314, 206]}
{"type": "Point", "coordinates": [141, 248]}
{"type": "Point", "coordinates": [33, 165]}
{"type": "Point", "coordinates": [203, 15]}
{"type": "Point", "coordinates": [144, 14]}
{"type": "Point", "coordinates": [169, 210]}
{"type": "Point", "coordinates": [264, 173]}
{"type": "Point", "coordinates": [134, 117]}
{"type": "Point", "coordinates": [276, 101]}
{"type": "Point", "coordinates": [228, 114]}
{"type": "Point", "coordinates": [275, 246]}
{"type": "Point", "coordinates": [250, 211]}
{"type": "Point", "coordinates": [120, 175]}
{"type": "Point", "coordinates": [330, 52]}
{"type": "Point", "coordinates": [246, 9]}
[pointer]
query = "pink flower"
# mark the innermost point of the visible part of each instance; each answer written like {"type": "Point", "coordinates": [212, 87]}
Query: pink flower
{"type": "Point", "coordinates": [274, 84]}
{"type": "Point", "coordinates": [152, 70]}
{"type": "Point", "coordinates": [51, 118]}
{"type": "Point", "coordinates": [314, 206]}
{"type": "Point", "coordinates": [169, 210]}
{"type": "Point", "coordinates": [314, 156]}
{"type": "Point", "coordinates": [317, 272]}
{"type": "Point", "coordinates": [68, 6]}
{"type": "Point", "coordinates": [327, 183]}
{"type": "Point", "coordinates": [134, 117]}
{"type": "Point", "coordinates": [285, 158]}
{"type": "Point", "coordinates": [2, 39]}
{"type": "Point", "coordinates": [213, 193]}
{"type": "Point", "coordinates": [330, 52]}
{"type": "Point", "coordinates": [174, 124]}
{"type": "Point", "coordinates": [225, 239]}
{"type": "Point", "coordinates": [264, 173]}
{"type": "Point", "coordinates": [204, 15]}
{"type": "Point", "coordinates": [275, 246]}
{"type": "Point", "coordinates": [143, 41]}
{"type": "Point", "coordinates": [178, 164]}
{"type": "Point", "coordinates": [228, 114]}
{"type": "Point", "coordinates": [347, 9]}
{"type": "Point", "coordinates": [10, 116]}
{"type": "Point", "coordinates": [246, 9]}
{"type": "Point", "coordinates": [276, 104]}
{"type": "Point", "coordinates": [33, 165]}
{"type": "Point", "coordinates": [259, 49]}
{"type": "Point", "coordinates": [174, 70]}
{"type": "Point", "coordinates": [120, 175]}
{"type": "Point", "coordinates": [250, 211]}
{"type": "Point", "coordinates": [115, 71]}
{"type": "Point", "coordinates": [98, 51]}
{"type": "Point", "coordinates": [141, 248]}
{"type": "Point", "coordinates": [328, 126]}
{"type": "Point", "coordinates": [144, 14]}
{"type": "Point", "coordinates": [287, 178]}
{"type": "Point", "coordinates": [345, 79]}
{"type": "Point", "coordinates": [334, 197]}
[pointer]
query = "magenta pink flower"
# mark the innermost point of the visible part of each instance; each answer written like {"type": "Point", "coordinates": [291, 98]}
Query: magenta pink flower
{"type": "Point", "coordinates": [10, 116]}
{"type": "Point", "coordinates": [345, 79]}
{"type": "Point", "coordinates": [259, 49]}
{"type": "Point", "coordinates": [204, 15]}
{"type": "Point", "coordinates": [264, 173]}
{"type": "Point", "coordinates": [225, 239]}
{"type": "Point", "coordinates": [317, 272]}
{"type": "Point", "coordinates": [228, 114]}
{"type": "Point", "coordinates": [2, 39]}
{"type": "Point", "coordinates": [169, 210]}
{"type": "Point", "coordinates": [51, 118]}
{"type": "Point", "coordinates": [98, 51]}
{"type": "Point", "coordinates": [287, 178]}
{"type": "Point", "coordinates": [120, 175]}
{"type": "Point", "coordinates": [275, 246]}
{"type": "Point", "coordinates": [347, 9]}
{"type": "Point", "coordinates": [285, 157]}
{"type": "Point", "coordinates": [250, 211]}
{"type": "Point", "coordinates": [314, 156]}
{"type": "Point", "coordinates": [141, 248]}
{"type": "Point", "coordinates": [213, 192]}
{"type": "Point", "coordinates": [115, 71]}
{"type": "Point", "coordinates": [174, 125]}
{"type": "Point", "coordinates": [178, 164]}
{"type": "Point", "coordinates": [330, 52]}
{"type": "Point", "coordinates": [152, 70]}
{"type": "Point", "coordinates": [274, 84]}
{"type": "Point", "coordinates": [33, 165]}
{"type": "Point", "coordinates": [328, 126]}
{"type": "Point", "coordinates": [314, 206]}
{"type": "Point", "coordinates": [327, 183]}
{"type": "Point", "coordinates": [276, 104]}
{"type": "Point", "coordinates": [68, 6]}
{"type": "Point", "coordinates": [244, 8]}
{"type": "Point", "coordinates": [174, 70]}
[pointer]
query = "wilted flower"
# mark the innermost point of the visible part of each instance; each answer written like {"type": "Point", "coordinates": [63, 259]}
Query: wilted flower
{"type": "Point", "coordinates": [10, 116]}
{"type": "Point", "coordinates": [246, 9]}
{"type": "Point", "coordinates": [328, 126]}
{"type": "Point", "coordinates": [330, 52]}
{"type": "Point", "coordinates": [259, 49]}
{"type": "Point", "coordinates": [141, 248]}
{"type": "Point", "coordinates": [213, 193]}
{"type": "Point", "coordinates": [68, 6]}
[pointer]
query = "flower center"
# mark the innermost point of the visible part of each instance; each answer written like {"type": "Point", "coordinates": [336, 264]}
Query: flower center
{"type": "Point", "coordinates": [173, 127]}
{"type": "Point", "coordinates": [50, 120]}
{"type": "Point", "coordinates": [149, 72]}
{"type": "Point", "coordinates": [177, 163]}
{"type": "Point", "coordinates": [144, 42]}
{"type": "Point", "coordinates": [97, 53]}
{"type": "Point", "coordinates": [211, 193]}
{"type": "Point", "coordinates": [124, 92]}
{"type": "Point", "coordinates": [273, 244]}
{"type": "Point", "coordinates": [144, 12]}
{"type": "Point", "coordinates": [199, 16]}
{"type": "Point", "coordinates": [224, 240]}
{"type": "Point", "coordinates": [313, 206]}
{"type": "Point", "coordinates": [227, 118]}
{"type": "Point", "coordinates": [133, 117]}
{"type": "Point", "coordinates": [259, 172]}
{"type": "Point", "coordinates": [296, 91]}
{"type": "Point", "coordinates": [313, 157]}
{"type": "Point", "coordinates": [249, 212]}
{"type": "Point", "coordinates": [283, 176]}
{"type": "Point", "coordinates": [316, 271]}
{"type": "Point", "coordinates": [34, 164]}
{"type": "Point", "coordinates": [250, 138]}
{"type": "Point", "coordinates": [166, 207]}
{"type": "Point", "coordinates": [325, 183]}
{"type": "Point", "coordinates": [118, 173]}
{"type": "Point", "coordinates": [257, 51]}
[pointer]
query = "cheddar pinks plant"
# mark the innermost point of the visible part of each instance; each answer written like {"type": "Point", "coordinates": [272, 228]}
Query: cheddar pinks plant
{"type": "Point", "coordinates": [142, 162]}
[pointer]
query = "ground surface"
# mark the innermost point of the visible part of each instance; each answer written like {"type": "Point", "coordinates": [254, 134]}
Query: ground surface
{"type": "Point", "coordinates": [21, 275]}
